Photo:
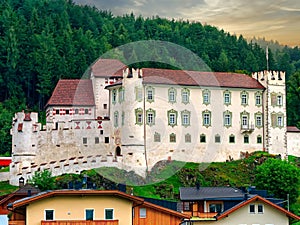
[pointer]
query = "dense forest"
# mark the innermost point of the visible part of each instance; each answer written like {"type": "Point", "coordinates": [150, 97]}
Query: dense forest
{"type": "Point", "coordinates": [42, 41]}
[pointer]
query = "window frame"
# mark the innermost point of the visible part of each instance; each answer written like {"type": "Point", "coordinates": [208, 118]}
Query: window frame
{"type": "Point", "coordinates": [144, 215]}
{"type": "Point", "coordinates": [202, 138]}
{"type": "Point", "coordinates": [53, 214]}
{"type": "Point", "coordinates": [231, 141]}
{"type": "Point", "coordinates": [157, 137]}
{"type": "Point", "coordinates": [219, 138]}
{"type": "Point", "coordinates": [148, 113]}
{"type": "Point", "coordinates": [185, 121]}
{"type": "Point", "coordinates": [185, 96]}
{"type": "Point", "coordinates": [227, 118]}
{"type": "Point", "coordinates": [188, 138]}
{"type": "Point", "coordinates": [114, 96]}
{"type": "Point", "coordinates": [172, 114]}
{"type": "Point", "coordinates": [116, 119]}
{"type": "Point", "coordinates": [93, 215]}
{"type": "Point", "coordinates": [149, 90]}
{"type": "Point", "coordinates": [252, 208]}
{"type": "Point", "coordinates": [105, 215]}
{"type": "Point", "coordinates": [227, 97]}
{"type": "Point", "coordinates": [258, 119]}
{"type": "Point", "coordinates": [258, 98]}
{"type": "Point", "coordinates": [139, 116]}
{"type": "Point", "coordinates": [206, 97]}
{"type": "Point", "coordinates": [172, 138]}
{"type": "Point", "coordinates": [206, 118]}
{"type": "Point", "coordinates": [244, 98]}
{"type": "Point", "coordinates": [172, 92]}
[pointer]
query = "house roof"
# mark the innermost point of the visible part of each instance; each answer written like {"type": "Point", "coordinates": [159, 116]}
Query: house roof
{"type": "Point", "coordinates": [197, 78]}
{"type": "Point", "coordinates": [87, 192]}
{"type": "Point", "coordinates": [108, 68]}
{"type": "Point", "coordinates": [256, 198]}
{"type": "Point", "coordinates": [210, 193]}
{"type": "Point", "coordinates": [22, 192]}
{"type": "Point", "coordinates": [72, 92]}
{"type": "Point", "coordinates": [292, 129]}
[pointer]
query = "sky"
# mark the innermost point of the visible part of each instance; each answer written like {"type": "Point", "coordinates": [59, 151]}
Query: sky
{"type": "Point", "coordinates": [273, 19]}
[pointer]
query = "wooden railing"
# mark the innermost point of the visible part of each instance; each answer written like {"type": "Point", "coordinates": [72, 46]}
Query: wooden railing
{"type": "Point", "coordinates": [16, 222]}
{"type": "Point", "coordinates": [79, 222]}
{"type": "Point", "coordinates": [204, 215]}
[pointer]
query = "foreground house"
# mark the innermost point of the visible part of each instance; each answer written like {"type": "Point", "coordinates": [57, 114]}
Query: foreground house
{"type": "Point", "coordinates": [90, 207]}
{"type": "Point", "coordinates": [229, 206]}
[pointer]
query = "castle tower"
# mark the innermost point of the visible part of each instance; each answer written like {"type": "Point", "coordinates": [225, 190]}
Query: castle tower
{"type": "Point", "coordinates": [274, 104]}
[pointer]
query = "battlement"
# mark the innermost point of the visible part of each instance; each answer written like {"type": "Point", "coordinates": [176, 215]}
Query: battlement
{"type": "Point", "coordinates": [270, 77]}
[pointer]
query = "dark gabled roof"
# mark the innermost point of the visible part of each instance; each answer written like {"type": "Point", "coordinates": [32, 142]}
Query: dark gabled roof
{"type": "Point", "coordinates": [196, 78]}
{"type": "Point", "coordinates": [108, 68]}
{"type": "Point", "coordinates": [210, 193]}
{"type": "Point", "coordinates": [73, 92]}
{"type": "Point", "coordinates": [256, 198]}
{"type": "Point", "coordinates": [292, 129]}
{"type": "Point", "coordinates": [22, 192]}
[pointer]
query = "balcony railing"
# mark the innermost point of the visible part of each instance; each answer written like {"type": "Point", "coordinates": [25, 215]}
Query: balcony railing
{"type": "Point", "coordinates": [202, 215]}
{"type": "Point", "coordinates": [247, 128]}
{"type": "Point", "coordinates": [16, 222]}
{"type": "Point", "coordinates": [79, 222]}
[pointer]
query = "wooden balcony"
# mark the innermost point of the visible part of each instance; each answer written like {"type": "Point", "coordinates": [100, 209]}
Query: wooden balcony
{"type": "Point", "coordinates": [79, 222]}
{"type": "Point", "coordinates": [202, 215]}
{"type": "Point", "coordinates": [16, 222]}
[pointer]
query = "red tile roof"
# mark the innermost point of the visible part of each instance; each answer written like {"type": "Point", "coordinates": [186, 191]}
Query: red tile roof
{"type": "Point", "coordinates": [196, 78]}
{"type": "Point", "coordinates": [255, 198]}
{"type": "Point", "coordinates": [108, 68]}
{"type": "Point", "coordinates": [292, 129]}
{"type": "Point", "coordinates": [72, 92]}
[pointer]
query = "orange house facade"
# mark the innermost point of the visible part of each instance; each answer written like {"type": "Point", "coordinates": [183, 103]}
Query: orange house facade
{"type": "Point", "coordinates": [90, 207]}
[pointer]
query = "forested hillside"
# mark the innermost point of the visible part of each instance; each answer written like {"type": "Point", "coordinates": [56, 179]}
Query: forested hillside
{"type": "Point", "coordinates": [42, 41]}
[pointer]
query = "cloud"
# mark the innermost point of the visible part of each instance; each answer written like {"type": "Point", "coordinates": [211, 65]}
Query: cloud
{"type": "Point", "coordinates": [269, 18]}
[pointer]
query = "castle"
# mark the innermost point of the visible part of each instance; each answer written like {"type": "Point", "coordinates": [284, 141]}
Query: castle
{"type": "Point", "coordinates": [132, 119]}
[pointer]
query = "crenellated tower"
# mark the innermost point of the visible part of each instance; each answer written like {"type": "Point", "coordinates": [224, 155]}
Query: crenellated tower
{"type": "Point", "coordinates": [275, 117]}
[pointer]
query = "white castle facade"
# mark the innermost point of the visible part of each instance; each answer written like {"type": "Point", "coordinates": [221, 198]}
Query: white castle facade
{"type": "Point", "coordinates": [132, 119]}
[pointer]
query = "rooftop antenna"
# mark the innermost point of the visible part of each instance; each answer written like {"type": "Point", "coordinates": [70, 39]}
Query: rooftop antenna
{"type": "Point", "coordinates": [267, 57]}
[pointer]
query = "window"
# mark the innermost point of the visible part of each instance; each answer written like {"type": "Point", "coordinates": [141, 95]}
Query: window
{"type": "Point", "coordinates": [259, 139]}
{"type": "Point", "coordinates": [202, 138]}
{"type": "Point", "coordinates": [49, 214]}
{"type": "Point", "coordinates": [76, 111]}
{"type": "Point", "coordinates": [109, 214]}
{"type": "Point", "coordinates": [246, 139]}
{"type": "Point", "coordinates": [150, 94]}
{"type": "Point", "coordinates": [143, 213]}
{"type": "Point", "coordinates": [186, 206]}
{"type": "Point", "coordinates": [121, 94]}
{"type": "Point", "coordinates": [67, 111]}
{"type": "Point", "coordinates": [188, 138]}
{"type": "Point", "coordinates": [245, 120]}
{"type": "Point", "coordinates": [215, 207]}
{"type": "Point", "coordinates": [227, 118]}
{"type": "Point", "coordinates": [139, 116]}
{"type": "Point", "coordinates": [173, 138]}
{"type": "Point", "coordinates": [123, 118]}
{"type": "Point", "coordinates": [114, 96]}
{"type": "Point", "coordinates": [279, 121]}
{"type": "Point", "coordinates": [252, 208]}
{"type": "Point", "coordinates": [57, 111]}
{"type": "Point", "coordinates": [156, 137]}
{"type": "Point", "coordinates": [227, 97]}
{"type": "Point", "coordinates": [84, 140]}
{"type": "Point", "coordinates": [260, 208]}
{"type": "Point", "coordinates": [116, 118]}
{"type": "Point", "coordinates": [138, 94]}
{"type": "Point", "coordinates": [172, 117]}
{"type": "Point", "coordinates": [86, 111]}
{"type": "Point", "coordinates": [172, 95]}
{"type": "Point", "coordinates": [244, 98]}
{"type": "Point", "coordinates": [258, 120]}
{"type": "Point", "coordinates": [231, 138]}
{"type": "Point", "coordinates": [206, 97]}
{"type": "Point", "coordinates": [89, 214]}
{"type": "Point", "coordinates": [150, 115]}
{"type": "Point", "coordinates": [217, 138]}
{"type": "Point", "coordinates": [258, 99]}
{"type": "Point", "coordinates": [104, 106]}
{"type": "Point", "coordinates": [206, 118]}
{"type": "Point", "coordinates": [106, 140]}
{"type": "Point", "coordinates": [101, 132]}
{"type": "Point", "coordinates": [279, 100]}
{"type": "Point", "coordinates": [185, 116]}
{"type": "Point", "coordinates": [185, 95]}
{"type": "Point", "coordinates": [96, 140]}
